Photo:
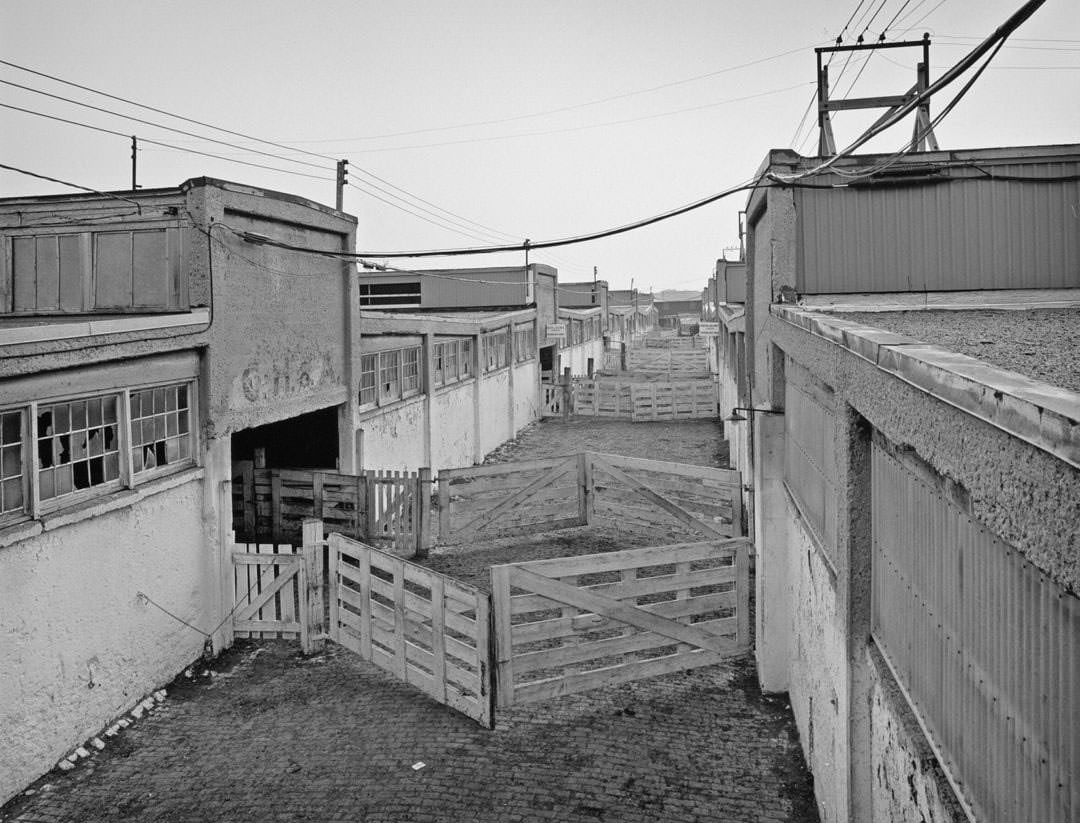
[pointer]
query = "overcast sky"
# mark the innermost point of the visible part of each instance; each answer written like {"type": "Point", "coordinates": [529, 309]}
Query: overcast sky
{"type": "Point", "coordinates": [534, 119]}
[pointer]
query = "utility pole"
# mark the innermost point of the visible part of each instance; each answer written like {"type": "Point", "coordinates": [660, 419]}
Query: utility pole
{"type": "Point", "coordinates": [923, 137]}
{"type": "Point", "coordinates": [342, 179]}
{"type": "Point", "coordinates": [134, 154]}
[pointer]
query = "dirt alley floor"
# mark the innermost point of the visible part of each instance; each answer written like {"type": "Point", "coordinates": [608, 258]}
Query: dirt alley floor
{"type": "Point", "coordinates": [266, 734]}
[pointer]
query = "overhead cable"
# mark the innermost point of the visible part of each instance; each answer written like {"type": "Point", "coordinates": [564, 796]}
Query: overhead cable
{"type": "Point", "coordinates": [111, 196]}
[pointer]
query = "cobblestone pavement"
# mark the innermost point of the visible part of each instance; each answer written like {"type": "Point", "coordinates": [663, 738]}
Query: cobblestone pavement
{"type": "Point", "coordinates": [266, 734]}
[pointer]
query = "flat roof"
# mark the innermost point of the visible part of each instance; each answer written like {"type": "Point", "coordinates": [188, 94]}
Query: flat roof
{"type": "Point", "coordinates": [1043, 344]}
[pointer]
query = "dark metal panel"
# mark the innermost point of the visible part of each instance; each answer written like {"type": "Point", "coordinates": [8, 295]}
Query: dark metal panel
{"type": "Point", "coordinates": [970, 233]}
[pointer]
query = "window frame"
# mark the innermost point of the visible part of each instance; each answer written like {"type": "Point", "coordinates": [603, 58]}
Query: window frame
{"type": "Point", "coordinates": [34, 507]}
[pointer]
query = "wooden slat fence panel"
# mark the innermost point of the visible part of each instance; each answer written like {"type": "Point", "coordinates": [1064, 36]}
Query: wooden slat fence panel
{"type": "Point", "coordinates": [702, 501]}
{"type": "Point", "coordinates": [510, 498]}
{"type": "Point", "coordinates": [985, 648]}
{"type": "Point", "coordinates": [429, 630]}
{"type": "Point", "coordinates": [267, 588]}
{"type": "Point", "coordinates": [634, 613]}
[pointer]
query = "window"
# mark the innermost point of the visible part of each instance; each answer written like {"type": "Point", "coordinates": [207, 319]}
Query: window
{"type": "Point", "coordinates": [410, 371]}
{"type": "Point", "coordinates": [450, 362]}
{"type": "Point", "coordinates": [524, 343]}
{"type": "Point", "coordinates": [368, 379]}
{"type": "Point", "coordinates": [495, 350]}
{"type": "Point", "coordinates": [12, 481]}
{"type": "Point", "coordinates": [82, 445]}
{"type": "Point", "coordinates": [77, 445]}
{"type": "Point", "coordinates": [390, 294]}
{"type": "Point", "coordinates": [453, 361]}
{"type": "Point", "coordinates": [466, 359]}
{"type": "Point", "coordinates": [160, 427]}
{"type": "Point", "coordinates": [389, 375]}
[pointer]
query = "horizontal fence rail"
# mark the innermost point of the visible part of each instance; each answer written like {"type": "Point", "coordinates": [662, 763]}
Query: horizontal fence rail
{"type": "Point", "coordinates": [985, 647]}
{"type": "Point", "coordinates": [634, 396]}
{"type": "Point", "coordinates": [576, 623]}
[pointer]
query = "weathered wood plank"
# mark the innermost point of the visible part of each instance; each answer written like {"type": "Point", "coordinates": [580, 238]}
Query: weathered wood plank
{"type": "Point", "coordinates": [636, 558]}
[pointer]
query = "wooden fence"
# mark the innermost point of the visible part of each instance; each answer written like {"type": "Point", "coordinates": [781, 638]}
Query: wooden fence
{"type": "Point", "coordinates": [671, 362]}
{"type": "Point", "coordinates": [507, 499]}
{"type": "Point", "coordinates": [637, 397]}
{"type": "Point", "coordinates": [579, 623]}
{"type": "Point", "coordinates": [278, 591]}
{"type": "Point", "coordinates": [270, 505]}
{"type": "Point", "coordinates": [427, 629]}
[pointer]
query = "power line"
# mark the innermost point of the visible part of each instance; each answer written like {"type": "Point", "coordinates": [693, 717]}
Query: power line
{"type": "Point", "coordinates": [558, 110]}
{"type": "Point", "coordinates": [137, 205]}
{"type": "Point", "coordinates": [115, 133]}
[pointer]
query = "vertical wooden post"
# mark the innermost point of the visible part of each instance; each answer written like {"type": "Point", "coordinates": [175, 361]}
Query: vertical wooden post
{"type": "Point", "coordinates": [333, 630]}
{"type": "Point", "coordinates": [737, 529]}
{"type": "Point", "coordinates": [585, 481]}
{"type": "Point", "coordinates": [500, 603]}
{"type": "Point", "coordinates": [275, 506]}
{"type": "Point", "coordinates": [317, 479]}
{"type": "Point", "coordinates": [401, 664]}
{"type": "Point", "coordinates": [423, 495]}
{"type": "Point", "coordinates": [313, 604]}
{"type": "Point", "coordinates": [249, 499]}
{"type": "Point", "coordinates": [438, 637]}
{"type": "Point", "coordinates": [369, 495]}
{"type": "Point", "coordinates": [742, 593]}
{"type": "Point", "coordinates": [486, 656]}
{"type": "Point", "coordinates": [444, 507]}
{"type": "Point", "coordinates": [566, 393]}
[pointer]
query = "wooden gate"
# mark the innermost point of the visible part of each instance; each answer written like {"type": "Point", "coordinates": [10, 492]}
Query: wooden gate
{"type": "Point", "coordinates": [579, 623]}
{"type": "Point", "coordinates": [704, 501]}
{"type": "Point", "coordinates": [429, 630]}
{"type": "Point", "coordinates": [399, 508]}
{"type": "Point", "coordinates": [278, 589]}
{"type": "Point", "coordinates": [513, 498]}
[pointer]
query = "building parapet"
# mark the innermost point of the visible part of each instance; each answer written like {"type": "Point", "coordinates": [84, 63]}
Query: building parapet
{"type": "Point", "coordinates": [1046, 416]}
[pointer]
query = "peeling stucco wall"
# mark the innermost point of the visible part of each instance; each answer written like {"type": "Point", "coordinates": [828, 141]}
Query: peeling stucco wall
{"type": "Point", "coordinates": [454, 434]}
{"type": "Point", "coordinates": [908, 783]}
{"type": "Point", "coordinates": [78, 646]}
{"type": "Point", "coordinates": [576, 358]}
{"type": "Point", "coordinates": [494, 410]}
{"type": "Point", "coordinates": [526, 394]}
{"type": "Point", "coordinates": [818, 690]}
{"type": "Point", "coordinates": [394, 437]}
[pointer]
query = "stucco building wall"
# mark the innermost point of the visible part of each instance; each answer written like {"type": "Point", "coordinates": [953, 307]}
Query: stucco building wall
{"type": "Point", "coordinates": [576, 358]}
{"type": "Point", "coordinates": [495, 405]}
{"type": "Point", "coordinates": [526, 394]}
{"type": "Point", "coordinates": [393, 437]}
{"type": "Point", "coordinates": [79, 646]}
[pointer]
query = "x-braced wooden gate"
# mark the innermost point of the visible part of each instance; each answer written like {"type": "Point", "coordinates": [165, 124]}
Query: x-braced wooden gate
{"type": "Point", "coordinates": [427, 629]}
{"type": "Point", "coordinates": [578, 623]}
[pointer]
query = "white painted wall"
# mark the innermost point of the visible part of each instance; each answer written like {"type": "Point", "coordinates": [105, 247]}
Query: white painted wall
{"type": "Point", "coordinates": [494, 409]}
{"type": "Point", "coordinates": [526, 394]}
{"type": "Point", "coordinates": [394, 436]}
{"type": "Point", "coordinates": [577, 357]}
{"type": "Point", "coordinates": [454, 432]}
{"type": "Point", "coordinates": [78, 646]}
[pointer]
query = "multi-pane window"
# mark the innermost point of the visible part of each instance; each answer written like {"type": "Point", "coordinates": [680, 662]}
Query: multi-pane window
{"type": "Point", "coordinates": [160, 427]}
{"type": "Point", "coordinates": [389, 375]}
{"type": "Point", "coordinates": [410, 371]}
{"type": "Point", "coordinates": [524, 343]}
{"type": "Point", "coordinates": [12, 486]}
{"type": "Point", "coordinates": [72, 447]}
{"type": "Point", "coordinates": [495, 350]}
{"type": "Point", "coordinates": [369, 363]}
{"type": "Point", "coordinates": [452, 361]}
{"type": "Point", "coordinates": [78, 446]}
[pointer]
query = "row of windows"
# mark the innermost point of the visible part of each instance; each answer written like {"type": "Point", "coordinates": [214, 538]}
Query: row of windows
{"type": "Point", "coordinates": [389, 375]}
{"type": "Point", "coordinates": [578, 331]}
{"type": "Point", "coordinates": [67, 447]}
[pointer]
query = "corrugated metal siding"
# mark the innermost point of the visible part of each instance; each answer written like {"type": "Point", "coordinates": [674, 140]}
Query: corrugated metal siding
{"type": "Point", "coordinates": [809, 458]}
{"type": "Point", "coordinates": [986, 647]}
{"type": "Point", "coordinates": [972, 234]}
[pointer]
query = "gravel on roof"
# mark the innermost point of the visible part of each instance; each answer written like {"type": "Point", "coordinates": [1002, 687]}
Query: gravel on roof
{"type": "Point", "coordinates": [1043, 344]}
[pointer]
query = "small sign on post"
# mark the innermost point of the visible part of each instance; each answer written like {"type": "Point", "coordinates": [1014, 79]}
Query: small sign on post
{"type": "Point", "coordinates": [708, 328]}
{"type": "Point", "coordinates": [556, 332]}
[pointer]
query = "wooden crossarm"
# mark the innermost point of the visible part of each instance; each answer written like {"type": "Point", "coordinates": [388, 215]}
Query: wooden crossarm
{"type": "Point", "coordinates": [617, 610]}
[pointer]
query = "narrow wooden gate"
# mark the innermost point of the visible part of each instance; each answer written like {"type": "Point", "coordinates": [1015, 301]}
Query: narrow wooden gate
{"type": "Point", "coordinates": [398, 508]}
{"type": "Point", "coordinates": [579, 623]}
{"type": "Point", "coordinates": [427, 629]}
{"type": "Point", "coordinates": [513, 498]}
